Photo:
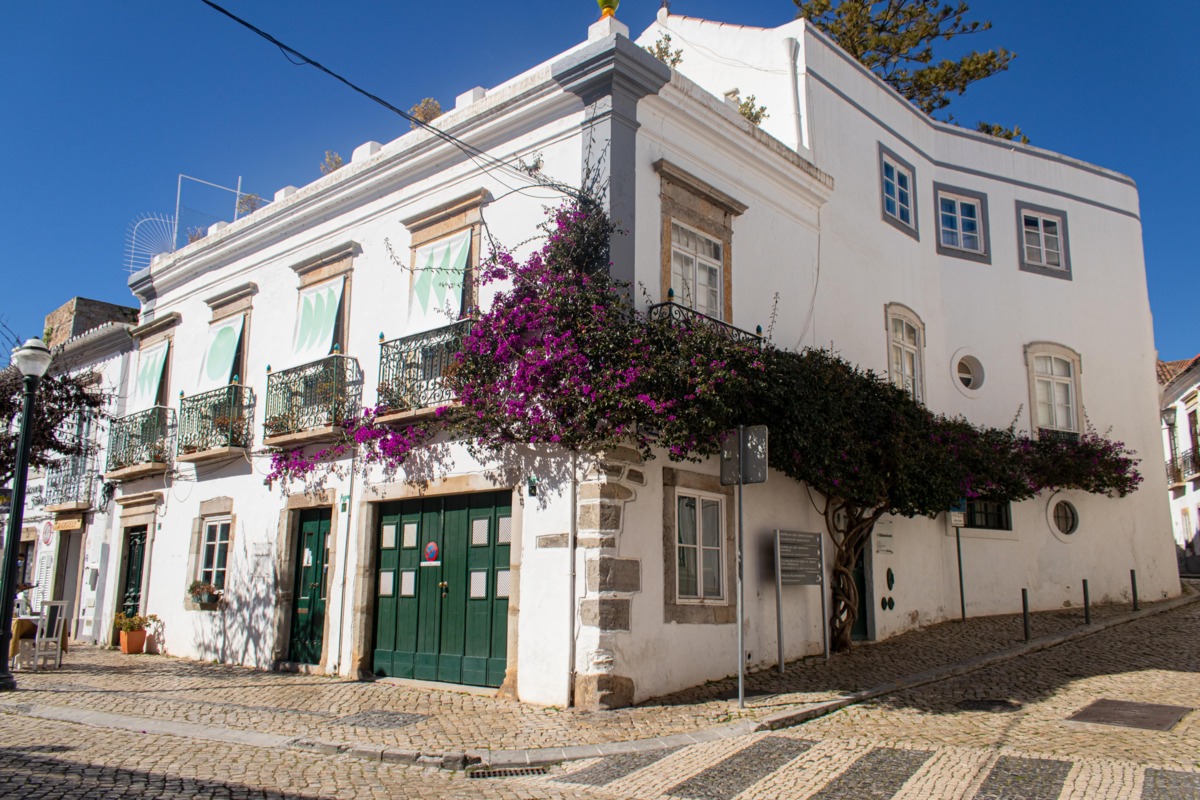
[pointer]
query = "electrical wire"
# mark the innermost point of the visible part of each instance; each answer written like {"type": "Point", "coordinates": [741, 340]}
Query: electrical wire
{"type": "Point", "coordinates": [474, 153]}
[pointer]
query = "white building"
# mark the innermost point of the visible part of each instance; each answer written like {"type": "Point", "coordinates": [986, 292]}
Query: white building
{"type": "Point", "coordinates": [936, 255]}
{"type": "Point", "coordinates": [1179, 384]}
{"type": "Point", "coordinates": [69, 518]}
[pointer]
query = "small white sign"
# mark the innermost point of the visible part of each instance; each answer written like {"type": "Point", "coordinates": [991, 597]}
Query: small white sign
{"type": "Point", "coordinates": [308, 558]}
{"type": "Point", "coordinates": [958, 519]}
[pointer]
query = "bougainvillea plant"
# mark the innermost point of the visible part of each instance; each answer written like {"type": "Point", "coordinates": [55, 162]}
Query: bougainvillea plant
{"type": "Point", "coordinates": [563, 359]}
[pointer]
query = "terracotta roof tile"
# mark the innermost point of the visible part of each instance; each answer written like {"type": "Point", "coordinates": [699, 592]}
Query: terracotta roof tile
{"type": "Point", "coordinates": [1167, 370]}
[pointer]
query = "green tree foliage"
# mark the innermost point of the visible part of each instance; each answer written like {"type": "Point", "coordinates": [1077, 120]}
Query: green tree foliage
{"type": "Point", "coordinates": [895, 40]}
{"type": "Point", "coordinates": [755, 113]}
{"type": "Point", "coordinates": [60, 400]}
{"type": "Point", "coordinates": [663, 52]}
{"type": "Point", "coordinates": [426, 111]}
{"type": "Point", "coordinates": [1014, 133]}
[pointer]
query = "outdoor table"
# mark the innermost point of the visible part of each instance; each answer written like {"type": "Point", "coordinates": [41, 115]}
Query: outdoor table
{"type": "Point", "coordinates": [26, 628]}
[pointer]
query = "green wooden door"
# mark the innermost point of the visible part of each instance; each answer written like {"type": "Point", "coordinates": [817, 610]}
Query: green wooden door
{"type": "Point", "coordinates": [441, 609]}
{"type": "Point", "coordinates": [308, 592]}
{"type": "Point", "coordinates": [858, 632]}
{"type": "Point", "coordinates": [135, 561]}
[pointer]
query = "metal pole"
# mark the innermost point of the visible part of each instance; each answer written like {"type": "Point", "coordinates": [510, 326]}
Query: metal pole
{"type": "Point", "coordinates": [1087, 605]}
{"type": "Point", "coordinates": [741, 631]}
{"type": "Point", "coordinates": [824, 607]}
{"type": "Point", "coordinates": [8, 593]}
{"type": "Point", "coordinates": [779, 603]}
{"type": "Point", "coordinates": [962, 597]}
{"type": "Point", "coordinates": [1025, 611]}
{"type": "Point", "coordinates": [1133, 586]}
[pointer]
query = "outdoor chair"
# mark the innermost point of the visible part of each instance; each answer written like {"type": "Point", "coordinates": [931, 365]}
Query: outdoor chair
{"type": "Point", "coordinates": [46, 646]}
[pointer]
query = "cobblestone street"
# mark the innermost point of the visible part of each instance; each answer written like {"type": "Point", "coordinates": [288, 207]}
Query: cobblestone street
{"type": "Point", "coordinates": [117, 726]}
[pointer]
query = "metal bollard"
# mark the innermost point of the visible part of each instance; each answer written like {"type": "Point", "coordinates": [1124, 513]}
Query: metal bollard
{"type": "Point", "coordinates": [1133, 585]}
{"type": "Point", "coordinates": [1087, 605]}
{"type": "Point", "coordinates": [1025, 611]}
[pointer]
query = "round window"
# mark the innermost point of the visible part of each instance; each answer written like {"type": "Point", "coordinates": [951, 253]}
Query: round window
{"type": "Point", "coordinates": [969, 372]}
{"type": "Point", "coordinates": [1066, 518]}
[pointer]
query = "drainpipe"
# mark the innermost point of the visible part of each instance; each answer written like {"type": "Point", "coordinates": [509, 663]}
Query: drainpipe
{"type": "Point", "coordinates": [793, 51]}
{"type": "Point", "coordinates": [571, 539]}
{"type": "Point", "coordinates": [345, 564]}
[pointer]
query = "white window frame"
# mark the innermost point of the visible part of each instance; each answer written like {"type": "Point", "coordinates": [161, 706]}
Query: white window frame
{"type": "Point", "coordinates": [209, 574]}
{"type": "Point", "coordinates": [897, 349]}
{"type": "Point", "coordinates": [1039, 263]}
{"type": "Point", "coordinates": [686, 294]}
{"type": "Point", "coordinates": [960, 197]}
{"type": "Point", "coordinates": [1052, 382]}
{"type": "Point", "coordinates": [700, 548]}
{"type": "Point", "coordinates": [901, 171]}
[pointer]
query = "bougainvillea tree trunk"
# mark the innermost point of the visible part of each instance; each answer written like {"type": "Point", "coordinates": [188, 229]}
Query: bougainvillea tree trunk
{"type": "Point", "coordinates": [850, 529]}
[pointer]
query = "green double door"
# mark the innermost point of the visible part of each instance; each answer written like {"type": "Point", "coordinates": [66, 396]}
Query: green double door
{"type": "Point", "coordinates": [441, 589]}
{"type": "Point", "coordinates": [135, 561]}
{"type": "Point", "coordinates": [309, 589]}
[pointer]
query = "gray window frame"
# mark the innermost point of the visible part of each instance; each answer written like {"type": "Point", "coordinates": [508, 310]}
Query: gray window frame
{"type": "Point", "coordinates": [1062, 273]}
{"type": "Point", "coordinates": [985, 234]}
{"type": "Point", "coordinates": [887, 154]}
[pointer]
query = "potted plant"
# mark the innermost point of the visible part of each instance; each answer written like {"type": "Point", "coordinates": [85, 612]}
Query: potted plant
{"type": "Point", "coordinates": [133, 630]}
{"type": "Point", "coordinates": [204, 593]}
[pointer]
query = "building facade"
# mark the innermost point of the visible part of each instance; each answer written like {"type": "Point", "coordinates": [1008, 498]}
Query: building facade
{"type": "Point", "coordinates": [1179, 384]}
{"type": "Point", "coordinates": [937, 256]}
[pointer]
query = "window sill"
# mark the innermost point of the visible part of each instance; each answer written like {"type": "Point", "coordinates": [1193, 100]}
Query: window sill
{"type": "Point", "coordinates": [300, 439]}
{"type": "Point", "coordinates": [216, 453]}
{"type": "Point", "coordinates": [136, 471]}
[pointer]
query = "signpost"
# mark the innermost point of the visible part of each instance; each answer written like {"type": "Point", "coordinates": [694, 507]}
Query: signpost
{"type": "Point", "coordinates": [958, 518]}
{"type": "Point", "coordinates": [799, 561]}
{"type": "Point", "coordinates": [743, 460]}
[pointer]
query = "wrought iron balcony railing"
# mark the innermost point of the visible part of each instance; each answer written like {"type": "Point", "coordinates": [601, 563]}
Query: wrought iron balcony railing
{"type": "Point", "coordinates": [412, 369]}
{"type": "Point", "coordinates": [1052, 434]}
{"type": "Point", "coordinates": [671, 310]}
{"type": "Point", "coordinates": [71, 479]}
{"type": "Point", "coordinates": [1183, 466]}
{"type": "Point", "coordinates": [141, 438]}
{"type": "Point", "coordinates": [220, 418]}
{"type": "Point", "coordinates": [320, 394]}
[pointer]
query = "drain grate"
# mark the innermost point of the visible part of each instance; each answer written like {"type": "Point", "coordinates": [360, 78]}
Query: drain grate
{"type": "Point", "coordinates": [989, 704]}
{"type": "Point", "coordinates": [507, 772]}
{"type": "Point", "coordinates": [380, 719]}
{"type": "Point", "coordinates": [1146, 716]}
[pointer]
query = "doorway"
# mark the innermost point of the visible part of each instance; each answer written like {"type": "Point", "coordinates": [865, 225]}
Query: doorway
{"type": "Point", "coordinates": [442, 587]}
{"type": "Point", "coordinates": [131, 577]}
{"type": "Point", "coordinates": [310, 587]}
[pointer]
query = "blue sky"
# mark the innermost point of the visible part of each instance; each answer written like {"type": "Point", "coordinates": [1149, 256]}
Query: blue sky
{"type": "Point", "coordinates": [105, 103]}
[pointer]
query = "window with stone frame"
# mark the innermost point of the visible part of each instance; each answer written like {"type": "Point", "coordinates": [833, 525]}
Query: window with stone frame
{"type": "Point", "coordinates": [698, 548]}
{"type": "Point", "coordinates": [214, 554]}
{"type": "Point", "coordinates": [906, 350]}
{"type": "Point", "coordinates": [444, 251]}
{"type": "Point", "coordinates": [697, 242]}
{"type": "Point", "coordinates": [1043, 244]}
{"type": "Point", "coordinates": [1054, 388]}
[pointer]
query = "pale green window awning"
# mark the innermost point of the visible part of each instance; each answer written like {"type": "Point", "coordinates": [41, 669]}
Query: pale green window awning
{"type": "Point", "coordinates": [151, 361]}
{"type": "Point", "coordinates": [315, 321]}
{"type": "Point", "coordinates": [223, 339]}
{"type": "Point", "coordinates": [439, 270]}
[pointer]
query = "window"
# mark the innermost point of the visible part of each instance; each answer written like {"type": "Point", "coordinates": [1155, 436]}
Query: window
{"type": "Point", "coordinates": [962, 227]}
{"type": "Point", "coordinates": [215, 552]}
{"type": "Point", "coordinates": [905, 362]}
{"type": "Point", "coordinates": [1066, 518]}
{"type": "Point", "coordinates": [896, 182]}
{"type": "Point", "coordinates": [1054, 389]}
{"type": "Point", "coordinates": [696, 270]}
{"type": "Point", "coordinates": [697, 242]}
{"type": "Point", "coordinates": [1043, 241]}
{"type": "Point", "coordinates": [698, 546]}
{"type": "Point", "coordinates": [989, 515]}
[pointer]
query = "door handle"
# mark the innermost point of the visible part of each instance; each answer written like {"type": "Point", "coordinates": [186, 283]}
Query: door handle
{"type": "Point", "coordinates": [445, 587]}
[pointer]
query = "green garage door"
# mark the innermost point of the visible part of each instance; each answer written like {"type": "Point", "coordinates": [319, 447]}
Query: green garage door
{"type": "Point", "coordinates": [441, 590]}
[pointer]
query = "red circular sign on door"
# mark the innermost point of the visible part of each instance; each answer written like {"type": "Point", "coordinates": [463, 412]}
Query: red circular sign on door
{"type": "Point", "coordinates": [47, 534]}
{"type": "Point", "coordinates": [431, 551]}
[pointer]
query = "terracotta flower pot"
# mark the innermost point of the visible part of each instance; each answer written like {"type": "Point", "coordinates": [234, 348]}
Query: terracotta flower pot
{"type": "Point", "coordinates": [133, 641]}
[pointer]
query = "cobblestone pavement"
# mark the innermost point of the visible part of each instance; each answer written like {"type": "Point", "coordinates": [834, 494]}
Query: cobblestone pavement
{"type": "Point", "coordinates": [1000, 733]}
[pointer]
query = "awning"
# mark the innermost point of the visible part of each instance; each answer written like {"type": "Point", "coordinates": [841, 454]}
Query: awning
{"type": "Point", "coordinates": [151, 361]}
{"type": "Point", "coordinates": [317, 316]}
{"type": "Point", "coordinates": [436, 297]}
{"type": "Point", "coordinates": [223, 339]}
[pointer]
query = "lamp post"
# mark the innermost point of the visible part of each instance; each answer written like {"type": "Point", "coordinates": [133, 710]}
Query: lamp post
{"type": "Point", "coordinates": [32, 359]}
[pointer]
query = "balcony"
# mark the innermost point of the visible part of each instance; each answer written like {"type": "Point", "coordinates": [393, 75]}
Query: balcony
{"type": "Point", "coordinates": [688, 318]}
{"type": "Point", "coordinates": [69, 483]}
{"type": "Point", "coordinates": [306, 404]}
{"type": "Point", "coordinates": [216, 424]}
{"type": "Point", "coordinates": [1183, 467]}
{"type": "Point", "coordinates": [1052, 435]}
{"type": "Point", "coordinates": [413, 369]}
{"type": "Point", "coordinates": [139, 444]}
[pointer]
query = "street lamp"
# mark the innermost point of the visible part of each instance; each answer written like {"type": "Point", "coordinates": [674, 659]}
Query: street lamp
{"type": "Point", "coordinates": [32, 359]}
